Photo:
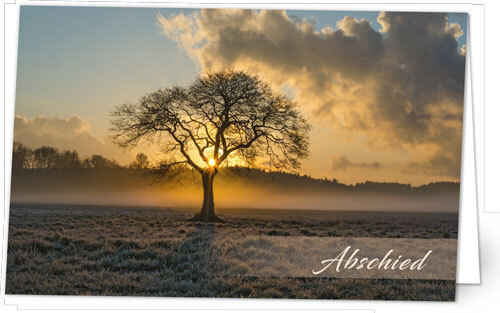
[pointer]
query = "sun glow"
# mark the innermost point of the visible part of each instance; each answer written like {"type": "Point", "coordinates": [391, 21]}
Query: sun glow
{"type": "Point", "coordinates": [211, 162]}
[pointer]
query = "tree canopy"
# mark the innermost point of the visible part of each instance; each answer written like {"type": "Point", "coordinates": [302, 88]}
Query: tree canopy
{"type": "Point", "coordinates": [221, 114]}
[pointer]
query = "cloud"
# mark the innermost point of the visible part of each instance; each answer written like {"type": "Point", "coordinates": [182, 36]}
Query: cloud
{"type": "Point", "coordinates": [63, 128]}
{"type": "Point", "coordinates": [342, 162]}
{"type": "Point", "coordinates": [71, 133]}
{"type": "Point", "coordinates": [437, 165]}
{"type": "Point", "coordinates": [400, 88]}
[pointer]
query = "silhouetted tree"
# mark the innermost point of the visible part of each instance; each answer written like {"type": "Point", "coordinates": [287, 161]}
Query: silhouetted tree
{"type": "Point", "coordinates": [45, 157]}
{"type": "Point", "coordinates": [21, 156]}
{"type": "Point", "coordinates": [141, 162]}
{"type": "Point", "coordinates": [221, 114]}
{"type": "Point", "coordinates": [50, 158]}
{"type": "Point", "coordinates": [99, 162]}
{"type": "Point", "coordinates": [69, 159]}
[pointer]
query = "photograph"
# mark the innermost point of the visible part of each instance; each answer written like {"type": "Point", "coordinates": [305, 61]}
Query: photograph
{"type": "Point", "coordinates": [236, 153]}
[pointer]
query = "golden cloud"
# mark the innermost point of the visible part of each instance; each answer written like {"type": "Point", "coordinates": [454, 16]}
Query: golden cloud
{"type": "Point", "coordinates": [401, 87]}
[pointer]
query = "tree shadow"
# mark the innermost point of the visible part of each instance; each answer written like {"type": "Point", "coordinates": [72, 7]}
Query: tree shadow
{"type": "Point", "coordinates": [198, 257]}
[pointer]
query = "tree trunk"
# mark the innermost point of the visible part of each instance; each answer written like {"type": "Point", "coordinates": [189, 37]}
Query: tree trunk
{"type": "Point", "coordinates": [207, 212]}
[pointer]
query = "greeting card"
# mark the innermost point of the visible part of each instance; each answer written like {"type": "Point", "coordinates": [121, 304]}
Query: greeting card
{"type": "Point", "coordinates": [237, 153]}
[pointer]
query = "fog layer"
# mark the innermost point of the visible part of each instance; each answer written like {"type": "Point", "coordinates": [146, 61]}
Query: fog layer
{"type": "Point", "coordinates": [233, 189]}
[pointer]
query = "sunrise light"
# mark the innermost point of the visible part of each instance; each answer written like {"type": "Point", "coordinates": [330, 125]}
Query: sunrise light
{"type": "Point", "coordinates": [211, 162]}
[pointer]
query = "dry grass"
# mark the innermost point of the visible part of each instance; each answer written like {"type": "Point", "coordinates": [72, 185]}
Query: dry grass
{"type": "Point", "coordinates": [158, 252]}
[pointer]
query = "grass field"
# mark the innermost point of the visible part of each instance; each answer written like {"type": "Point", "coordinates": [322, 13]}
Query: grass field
{"type": "Point", "coordinates": [158, 252]}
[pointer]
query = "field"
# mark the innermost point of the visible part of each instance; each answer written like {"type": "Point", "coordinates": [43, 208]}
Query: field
{"type": "Point", "coordinates": [84, 250]}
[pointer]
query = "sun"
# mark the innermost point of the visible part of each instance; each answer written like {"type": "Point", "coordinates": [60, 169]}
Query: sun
{"type": "Point", "coordinates": [211, 162]}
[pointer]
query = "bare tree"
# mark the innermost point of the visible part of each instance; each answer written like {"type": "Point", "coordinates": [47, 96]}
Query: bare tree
{"type": "Point", "coordinates": [220, 116]}
{"type": "Point", "coordinates": [45, 157]}
{"type": "Point", "coordinates": [22, 156]}
{"type": "Point", "coordinates": [141, 162]}
{"type": "Point", "coordinates": [97, 161]}
{"type": "Point", "coordinates": [69, 159]}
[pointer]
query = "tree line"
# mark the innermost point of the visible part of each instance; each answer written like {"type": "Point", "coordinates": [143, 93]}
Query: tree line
{"type": "Point", "coordinates": [50, 158]}
{"type": "Point", "coordinates": [46, 157]}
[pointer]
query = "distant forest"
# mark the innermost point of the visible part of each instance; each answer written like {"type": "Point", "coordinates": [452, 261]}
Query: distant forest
{"type": "Point", "coordinates": [45, 158]}
{"type": "Point", "coordinates": [49, 161]}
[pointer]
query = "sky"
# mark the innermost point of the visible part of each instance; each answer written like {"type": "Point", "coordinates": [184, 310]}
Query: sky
{"type": "Point", "coordinates": [383, 91]}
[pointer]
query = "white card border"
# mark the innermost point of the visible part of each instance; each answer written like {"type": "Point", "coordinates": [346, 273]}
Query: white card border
{"type": "Point", "coordinates": [8, 112]}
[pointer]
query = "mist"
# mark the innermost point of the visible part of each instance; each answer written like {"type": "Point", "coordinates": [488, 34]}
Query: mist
{"type": "Point", "coordinates": [246, 189]}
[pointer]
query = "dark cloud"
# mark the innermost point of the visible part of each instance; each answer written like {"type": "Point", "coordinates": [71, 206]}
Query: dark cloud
{"type": "Point", "coordinates": [342, 162]}
{"type": "Point", "coordinates": [437, 165]}
{"type": "Point", "coordinates": [402, 87]}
